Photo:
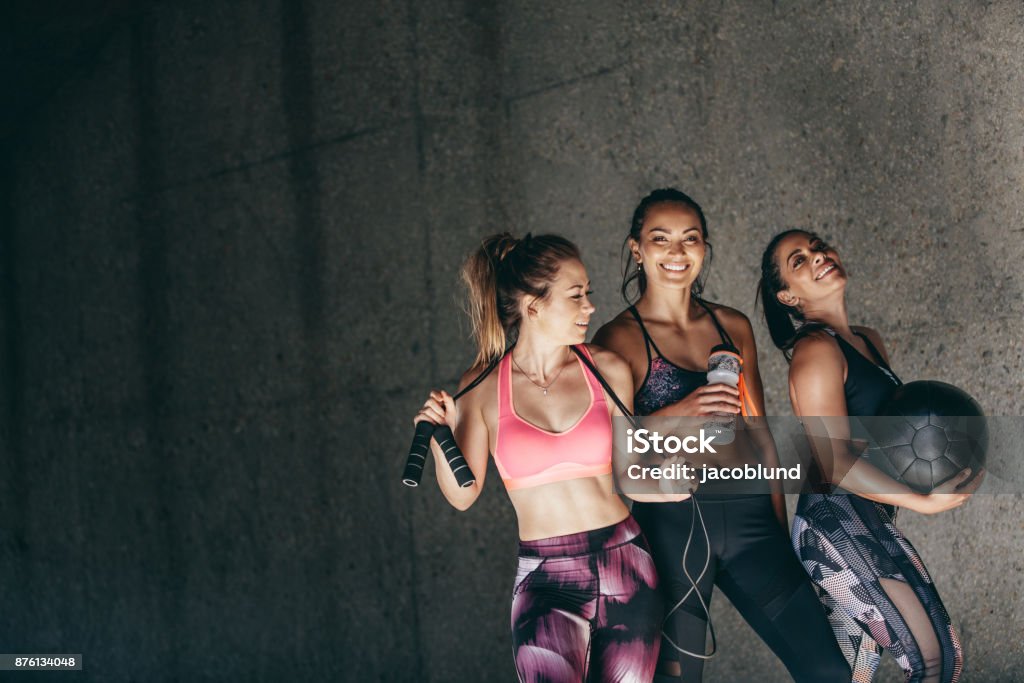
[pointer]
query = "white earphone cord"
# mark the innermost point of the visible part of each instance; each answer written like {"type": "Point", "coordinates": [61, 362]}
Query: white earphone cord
{"type": "Point", "coordinates": [694, 588]}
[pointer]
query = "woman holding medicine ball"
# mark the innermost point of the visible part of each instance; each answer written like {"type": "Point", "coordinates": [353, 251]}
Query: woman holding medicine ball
{"type": "Point", "coordinates": [871, 580]}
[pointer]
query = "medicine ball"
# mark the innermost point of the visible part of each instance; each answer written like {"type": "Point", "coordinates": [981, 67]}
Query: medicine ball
{"type": "Point", "coordinates": [926, 433]}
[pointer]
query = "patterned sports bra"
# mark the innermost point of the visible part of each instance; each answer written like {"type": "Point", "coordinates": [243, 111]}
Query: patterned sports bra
{"type": "Point", "coordinates": [665, 382]}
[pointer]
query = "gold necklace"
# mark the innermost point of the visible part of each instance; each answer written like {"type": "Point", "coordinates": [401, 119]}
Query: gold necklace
{"type": "Point", "coordinates": [539, 386]}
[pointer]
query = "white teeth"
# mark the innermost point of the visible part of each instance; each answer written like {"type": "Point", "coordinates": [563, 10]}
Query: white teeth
{"type": "Point", "coordinates": [674, 267]}
{"type": "Point", "coordinates": [825, 272]}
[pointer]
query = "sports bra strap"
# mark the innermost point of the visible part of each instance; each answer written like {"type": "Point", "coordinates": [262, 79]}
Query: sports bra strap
{"type": "Point", "coordinates": [505, 386]}
{"type": "Point", "coordinates": [871, 347]}
{"type": "Point", "coordinates": [648, 341]}
{"type": "Point", "coordinates": [593, 379]}
{"type": "Point", "coordinates": [721, 330]}
{"type": "Point", "coordinates": [878, 356]}
{"type": "Point", "coordinates": [584, 357]}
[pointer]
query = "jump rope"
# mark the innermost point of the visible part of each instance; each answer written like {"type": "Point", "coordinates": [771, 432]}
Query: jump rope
{"type": "Point", "coordinates": [425, 431]}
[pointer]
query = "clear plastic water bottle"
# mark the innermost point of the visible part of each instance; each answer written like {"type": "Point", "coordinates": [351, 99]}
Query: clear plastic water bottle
{"type": "Point", "coordinates": [724, 366]}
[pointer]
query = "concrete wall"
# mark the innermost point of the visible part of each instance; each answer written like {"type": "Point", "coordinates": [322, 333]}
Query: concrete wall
{"type": "Point", "coordinates": [228, 269]}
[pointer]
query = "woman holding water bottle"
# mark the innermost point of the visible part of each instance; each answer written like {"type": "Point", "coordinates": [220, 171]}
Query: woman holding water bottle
{"type": "Point", "coordinates": [666, 337]}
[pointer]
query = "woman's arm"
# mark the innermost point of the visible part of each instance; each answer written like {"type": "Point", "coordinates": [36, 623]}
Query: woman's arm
{"type": "Point", "coordinates": [875, 339]}
{"type": "Point", "coordinates": [619, 376]}
{"type": "Point", "coordinates": [470, 429]}
{"type": "Point", "coordinates": [816, 391]}
{"type": "Point", "coordinates": [624, 338]}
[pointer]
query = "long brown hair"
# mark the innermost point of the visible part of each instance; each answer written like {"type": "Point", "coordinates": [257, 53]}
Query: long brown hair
{"type": "Point", "coordinates": [498, 274]}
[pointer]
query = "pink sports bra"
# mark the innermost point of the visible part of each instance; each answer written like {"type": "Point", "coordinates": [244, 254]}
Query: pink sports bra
{"type": "Point", "coordinates": [527, 455]}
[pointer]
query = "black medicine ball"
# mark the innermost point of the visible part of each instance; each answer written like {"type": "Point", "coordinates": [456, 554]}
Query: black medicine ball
{"type": "Point", "coordinates": [934, 431]}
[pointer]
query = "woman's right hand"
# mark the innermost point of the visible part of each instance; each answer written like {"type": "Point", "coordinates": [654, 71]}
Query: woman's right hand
{"type": "Point", "coordinates": [439, 409]}
{"type": "Point", "coordinates": [709, 400]}
{"type": "Point", "coordinates": [948, 495]}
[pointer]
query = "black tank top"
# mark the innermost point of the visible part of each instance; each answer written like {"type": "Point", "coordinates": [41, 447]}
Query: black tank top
{"type": "Point", "coordinates": [867, 387]}
{"type": "Point", "coordinates": [665, 382]}
{"type": "Point", "coordinates": [867, 384]}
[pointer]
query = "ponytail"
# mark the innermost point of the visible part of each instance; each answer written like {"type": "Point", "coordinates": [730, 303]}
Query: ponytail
{"type": "Point", "coordinates": [479, 273]}
{"type": "Point", "coordinates": [498, 274]}
{"type": "Point", "coordinates": [778, 318]}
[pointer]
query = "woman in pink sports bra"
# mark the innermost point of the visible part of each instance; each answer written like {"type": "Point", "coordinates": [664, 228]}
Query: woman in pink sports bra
{"type": "Point", "coordinates": [585, 605]}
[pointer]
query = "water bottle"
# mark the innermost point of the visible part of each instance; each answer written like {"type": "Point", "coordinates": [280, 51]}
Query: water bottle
{"type": "Point", "coordinates": [724, 366]}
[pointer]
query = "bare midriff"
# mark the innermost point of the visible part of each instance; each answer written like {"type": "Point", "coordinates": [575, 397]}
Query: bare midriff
{"type": "Point", "coordinates": [567, 507]}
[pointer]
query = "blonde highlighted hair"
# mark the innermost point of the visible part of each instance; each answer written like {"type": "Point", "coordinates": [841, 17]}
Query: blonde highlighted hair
{"type": "Point", "coordinates": [498, 274]}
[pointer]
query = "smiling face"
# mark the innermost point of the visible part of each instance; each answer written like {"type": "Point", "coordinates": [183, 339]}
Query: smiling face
{"type": "Point", "coordinates": [671, 246]}
{"type": "Point", "coordinates": [564, 314]}
{"type": "Point", "coordinates": [809, 268]}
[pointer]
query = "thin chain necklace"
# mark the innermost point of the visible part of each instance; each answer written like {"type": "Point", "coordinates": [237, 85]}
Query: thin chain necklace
{"type": "Point", "coordinates": [539, 386]}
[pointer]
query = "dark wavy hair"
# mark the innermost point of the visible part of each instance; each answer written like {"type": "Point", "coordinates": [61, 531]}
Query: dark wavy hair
{"type": "Point", "coordinates": [630, 272]}
{"type": "Point", "coordinates": [786, 324]}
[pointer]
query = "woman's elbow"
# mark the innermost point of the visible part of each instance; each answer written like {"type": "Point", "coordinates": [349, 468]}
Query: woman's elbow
{"type": "Point", "coordinates": [465, 501]}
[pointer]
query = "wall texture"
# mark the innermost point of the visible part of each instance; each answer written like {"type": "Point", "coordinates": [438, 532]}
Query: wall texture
{"type": "Point", "coordinates": [228, 259]}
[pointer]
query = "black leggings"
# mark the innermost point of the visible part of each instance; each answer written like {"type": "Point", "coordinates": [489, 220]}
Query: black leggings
{"type": "Point", "coordinates": [752, 562]}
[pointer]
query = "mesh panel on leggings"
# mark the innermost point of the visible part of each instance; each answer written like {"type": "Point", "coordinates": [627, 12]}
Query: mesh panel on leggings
{"type": "Point", "coordinates": [847, 544]}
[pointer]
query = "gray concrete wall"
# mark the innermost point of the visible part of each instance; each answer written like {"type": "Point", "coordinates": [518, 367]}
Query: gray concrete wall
{"type": "Point", "coordinates": [229, 258]}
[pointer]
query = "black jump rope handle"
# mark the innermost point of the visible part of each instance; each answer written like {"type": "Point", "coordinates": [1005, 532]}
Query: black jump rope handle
{"type": "Point", "coordinates": [417, 459]}
{"type": "Point", "coordinates": [442, 434]}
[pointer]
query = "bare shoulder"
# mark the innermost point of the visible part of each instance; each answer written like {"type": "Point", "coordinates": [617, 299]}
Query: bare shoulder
{"type": "Point", "coordinates": [620, 333]}
{"type": "Point", "coordinates": [487, 387]}
{"type": "Point", "coordinates": [735, 322]}
{"type": "Point", "coordinates": [817, 341]}
{"type": "Point", "coordinates": [616, 372]}
{"type": "Point", "coordinates": [814, 349]}
{"type": "Point", "coordinates": [609, 362]}
{"type": "Point", "coordinates": [817, 375]}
